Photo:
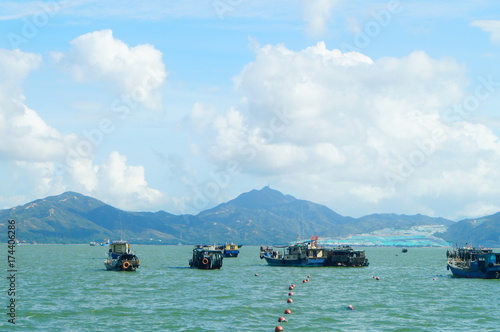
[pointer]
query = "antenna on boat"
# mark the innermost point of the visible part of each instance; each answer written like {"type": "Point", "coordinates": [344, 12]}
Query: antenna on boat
{"type": "Point", "coordinates": [121, 226]}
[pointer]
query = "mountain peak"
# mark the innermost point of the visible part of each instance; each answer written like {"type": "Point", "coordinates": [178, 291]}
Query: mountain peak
{"type": "Point", "coordinates": [263, 198]}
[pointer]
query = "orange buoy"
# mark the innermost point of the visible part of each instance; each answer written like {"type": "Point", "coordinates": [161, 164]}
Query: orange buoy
{"type": "Point", "coordinates": [288, 311]}
{"type": "Point", "coordinates": [290, 294]}
{"type": "Point", "coordinates": [289, 301]}
{"type": "Point", "coordinates": [278, 328]}
{"type": "Point", "coordinates": [291, 287]}
{"type": "Point", "coordinates": [282, 319]}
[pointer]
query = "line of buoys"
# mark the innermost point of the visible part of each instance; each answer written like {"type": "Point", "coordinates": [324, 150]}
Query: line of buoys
{"type": "Point", "coordinates": [289, 300]}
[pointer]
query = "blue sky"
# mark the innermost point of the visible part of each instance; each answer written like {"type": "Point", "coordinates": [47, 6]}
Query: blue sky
{"type": "Point", "coordinates": [363, 106]}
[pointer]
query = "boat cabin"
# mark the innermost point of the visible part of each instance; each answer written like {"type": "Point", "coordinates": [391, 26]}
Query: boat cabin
{"type": "Point", "coordinates": [301, 251]}
{"type": "Point", "coordinates": [118, 248]}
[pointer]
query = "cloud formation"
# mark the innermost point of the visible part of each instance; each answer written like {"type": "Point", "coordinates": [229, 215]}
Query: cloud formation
{"type": "Point", "coordinates": [24, 135]}
{"type": "Point", "coordinates": [317, 14]}
{"type": "Point", "coordinates": [386, 132]}
{"type": "Point", "coordinates": [490, 26]}
{"type": "Point", "coordinates": [136, 72]}
{"type": "Point", "coordinates": [37, 153]}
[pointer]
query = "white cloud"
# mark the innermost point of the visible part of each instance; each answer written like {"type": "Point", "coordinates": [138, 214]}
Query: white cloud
{"type": "Point", "coordinates": [136, 72]}
{"type": "Point", "coordinates": [490, 26]}
{"type": "Point", "coordinates": [24, 135]}
{"type": "Point", "coordinates": [125, 185]}
{"type": "Point", "coordinates": [357, 129]}
{"type": "Point", "coordinates": [479, 209]}
{"type": "Point", "coordinates": [317, 14]}
{"type": "Point", "coordinates": [45, 162]}
{"type": "Point", "coordinates": [114, 181]}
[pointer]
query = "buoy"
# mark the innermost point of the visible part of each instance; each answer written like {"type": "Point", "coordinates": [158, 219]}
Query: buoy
{"type": "Point", "coordinates": [288, 311]}
{"type": "Point", "coordinates": [350, 307]}
{"type": "Point", "coordinates": [305, 280]}
{"type": "Point", "coordinates": [289, 301]}
{"type": "Point", "coordinates": [282, 319]}
{"type": "Point", "coordinates": [309, 276]}
{"type": "Point", "coordinates": [256, 274]}
{"type": "Point", "coordinates": [291, 287]}
{"type": "Point", "coordinates": [278, 328]}
{"type": "Point", "coordinates": [290, 294]}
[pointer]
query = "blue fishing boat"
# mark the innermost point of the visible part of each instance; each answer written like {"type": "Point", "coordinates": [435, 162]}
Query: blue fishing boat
{"type": "Point", "coordinates": [470, 262]}
{"type": "Point", "coordinates": [229, 249]}
{"type": "Point", "coordinates": [310, 254]}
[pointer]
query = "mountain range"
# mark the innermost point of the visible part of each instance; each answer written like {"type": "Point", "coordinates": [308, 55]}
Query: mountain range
{"type": "Point", "coordinates": [257, 217]}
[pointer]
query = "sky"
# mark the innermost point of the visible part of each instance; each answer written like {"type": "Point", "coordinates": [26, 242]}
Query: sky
{"type": "Point", "coordinates": [362, 106]}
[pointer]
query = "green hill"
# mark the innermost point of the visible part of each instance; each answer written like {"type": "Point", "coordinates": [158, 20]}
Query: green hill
{"type": "Point", "coordinates": [264, 216]}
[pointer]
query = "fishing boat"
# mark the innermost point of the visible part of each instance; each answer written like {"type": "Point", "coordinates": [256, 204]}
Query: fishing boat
{"type": "Point", "coordinates": [310, 254]}
{"type": "Point", "coordinates": [229, 249]}
{"type": "Point", "coordinates": [471, 262]}
{"type": "Point", "coordinates": [206, 257]}
{"type": "Point", "coordinates": [121, 258]}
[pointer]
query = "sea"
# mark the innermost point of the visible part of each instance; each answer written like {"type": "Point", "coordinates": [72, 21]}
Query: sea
{"type": "Point", "coordinates": [67, 288]}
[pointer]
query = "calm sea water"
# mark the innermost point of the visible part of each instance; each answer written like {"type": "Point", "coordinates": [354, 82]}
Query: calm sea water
{"type": "Point", "coordinates": [66, 288]}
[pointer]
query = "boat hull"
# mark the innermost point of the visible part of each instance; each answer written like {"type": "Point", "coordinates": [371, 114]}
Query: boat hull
{"type": "Point", "coordinates": [231, 253]}
{"type": "Point", "coordinates": [121, 265]}
{"type": "Point", "coordinates": [484, 273]}
{"type": "Point", "coordinates": [311, 262]}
